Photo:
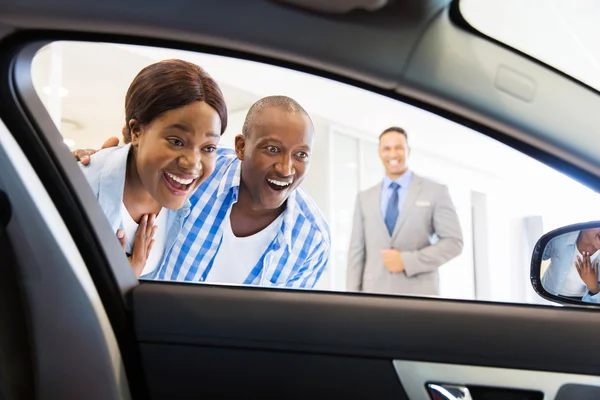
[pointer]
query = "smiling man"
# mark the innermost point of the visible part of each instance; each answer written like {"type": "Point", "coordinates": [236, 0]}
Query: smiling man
{"type": "Point", "coordinates": [404, 229]}
{"type": "Point", "coordinates": [251, 222]}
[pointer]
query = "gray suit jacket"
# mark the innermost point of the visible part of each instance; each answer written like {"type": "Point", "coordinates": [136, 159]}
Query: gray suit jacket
{"type": "Point", "coordinates": [427, 234]}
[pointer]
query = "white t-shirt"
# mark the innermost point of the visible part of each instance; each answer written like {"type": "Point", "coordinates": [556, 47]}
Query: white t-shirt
{"type": "Point", "coordinates": [160, 237]}
{"type": "Point", "coordinates": [238, 255]}
{"type": "Point", "coordinates": [573, 285]}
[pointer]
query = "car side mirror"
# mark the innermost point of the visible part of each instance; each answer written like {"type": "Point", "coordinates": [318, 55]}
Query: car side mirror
{"type": "Point", "coordinates": [564, 265]}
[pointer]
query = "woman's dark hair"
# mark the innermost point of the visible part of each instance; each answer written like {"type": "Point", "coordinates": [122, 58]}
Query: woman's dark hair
{"type": "Point", "coordinates": [167, 85]}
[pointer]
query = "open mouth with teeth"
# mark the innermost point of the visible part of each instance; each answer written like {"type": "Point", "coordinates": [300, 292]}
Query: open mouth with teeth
{"type": "Point", "coordinates": [278, 185]}
{"type": "Point", "coordinates": [178, 185]}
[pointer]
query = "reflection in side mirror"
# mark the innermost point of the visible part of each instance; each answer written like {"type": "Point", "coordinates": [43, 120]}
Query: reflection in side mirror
{"type": "Point", "coordinates": [564, 266]}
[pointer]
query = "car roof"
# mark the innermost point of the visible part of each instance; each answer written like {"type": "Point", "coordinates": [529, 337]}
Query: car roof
{"type": "Point", "coordinates": [421, 51]}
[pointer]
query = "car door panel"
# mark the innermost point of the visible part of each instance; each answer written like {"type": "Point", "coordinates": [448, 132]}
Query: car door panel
{"type": "Point", "coordinates": [227, 372]}
{"type": "Point", "coordinates": [186, 331]}
{"type": "Point", "coordinates": [529, 385]}
{"type": "Point", "coordinates": [70, 350]}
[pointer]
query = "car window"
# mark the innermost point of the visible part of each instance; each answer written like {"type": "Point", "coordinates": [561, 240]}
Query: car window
{"type": "Point", "coordinates": [457, 216]}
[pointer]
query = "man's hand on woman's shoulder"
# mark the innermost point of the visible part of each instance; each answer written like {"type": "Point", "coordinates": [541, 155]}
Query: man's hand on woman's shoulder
{"type": "Point", "coordinates": [83, 155]}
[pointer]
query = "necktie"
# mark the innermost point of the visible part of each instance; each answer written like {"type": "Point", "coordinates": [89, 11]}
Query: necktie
{"type": "Point", "coordinates": [391, 213]}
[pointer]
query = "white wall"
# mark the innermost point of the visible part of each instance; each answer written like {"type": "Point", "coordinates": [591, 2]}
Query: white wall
{"type": "Point", "coordinates": [235, 122]}
{"type": "Point", "coordinates": [317, 182]}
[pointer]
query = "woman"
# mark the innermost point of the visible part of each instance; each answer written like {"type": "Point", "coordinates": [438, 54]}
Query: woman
{"type": "Point", "coordinates": [566, 253]}
{"type": "Point", "coordinates": [175, 115]}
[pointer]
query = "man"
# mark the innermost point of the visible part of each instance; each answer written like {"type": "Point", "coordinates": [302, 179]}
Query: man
{"type": "Point", "coordinates": [250, 222]}
{"type": "Point", "coordinates": [391, 247]}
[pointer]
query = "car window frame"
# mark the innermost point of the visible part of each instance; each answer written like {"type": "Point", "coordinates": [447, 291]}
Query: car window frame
{"type": "Point", "coordinates": [42, 144]}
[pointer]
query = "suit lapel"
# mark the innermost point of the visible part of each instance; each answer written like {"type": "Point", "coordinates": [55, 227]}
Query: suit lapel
{"type": "Point", "coordinates": [408, 203]}
{"type": "Point", "coordinates": [375, 199]}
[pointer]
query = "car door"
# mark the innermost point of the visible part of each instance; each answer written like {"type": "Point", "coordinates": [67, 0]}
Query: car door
{"type": "Point", "coordinates": [94, 331]}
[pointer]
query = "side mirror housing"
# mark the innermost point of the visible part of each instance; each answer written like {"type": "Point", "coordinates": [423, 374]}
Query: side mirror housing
{"type": "Point", "coordinates": [565, 263]}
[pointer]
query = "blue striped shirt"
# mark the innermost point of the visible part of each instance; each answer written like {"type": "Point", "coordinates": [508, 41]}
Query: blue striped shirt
{"type": "Point", "coordinates": [295, 258]}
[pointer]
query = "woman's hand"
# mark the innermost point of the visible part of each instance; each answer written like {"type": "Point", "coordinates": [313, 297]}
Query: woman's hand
{"type": "Point", "coordinates": [588, 273]}
{"type": "Point", "coordinates": [142, 245]}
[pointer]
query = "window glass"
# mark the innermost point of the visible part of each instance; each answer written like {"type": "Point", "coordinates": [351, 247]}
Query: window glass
{"type": "Point", "coordinates": [560, 33]}
{"type": "Point", "coordinates": [490, 200]}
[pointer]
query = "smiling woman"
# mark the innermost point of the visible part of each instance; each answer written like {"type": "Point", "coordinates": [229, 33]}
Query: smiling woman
{"type": "Point", "coordinates": [174, 116]}
{"type": "Point", "coordinates": [173, 135]}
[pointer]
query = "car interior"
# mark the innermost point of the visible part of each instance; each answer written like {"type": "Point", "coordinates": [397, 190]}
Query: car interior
{"type": "Point", "coordinates": [77, 324]}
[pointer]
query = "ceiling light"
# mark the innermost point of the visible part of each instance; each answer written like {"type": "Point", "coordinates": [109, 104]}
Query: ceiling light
{"type": "Point", "coordinates": [68, 126]}
{"type": "Point", "coordinates": [62, 91]}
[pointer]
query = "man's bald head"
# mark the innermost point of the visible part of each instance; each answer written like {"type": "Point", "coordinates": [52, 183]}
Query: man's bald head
{"type": "Point", "coordinates": [282, 103]}
{"type": "Point", "coordinates": [275, 148]}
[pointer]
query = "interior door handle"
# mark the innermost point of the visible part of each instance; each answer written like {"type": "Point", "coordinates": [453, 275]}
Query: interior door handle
{"type": "Point", "coordinates": [439, 391]}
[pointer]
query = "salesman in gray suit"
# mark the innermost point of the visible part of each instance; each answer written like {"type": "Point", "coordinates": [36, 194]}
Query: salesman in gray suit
{"type": "Point", "coordinates": [404, 228]}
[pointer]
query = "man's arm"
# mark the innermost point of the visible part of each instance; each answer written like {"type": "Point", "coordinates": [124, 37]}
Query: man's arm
{"type": "Point", "coordinates": [309, 273]}
{"type": "Point", "coordinates": [449, 245]}
{"type": "Point", "coordinates": [356, 253]}
{"type": "Point", "coordinates": [548, 250]}
{"type": "Point", "coordinates": [83, 155]}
